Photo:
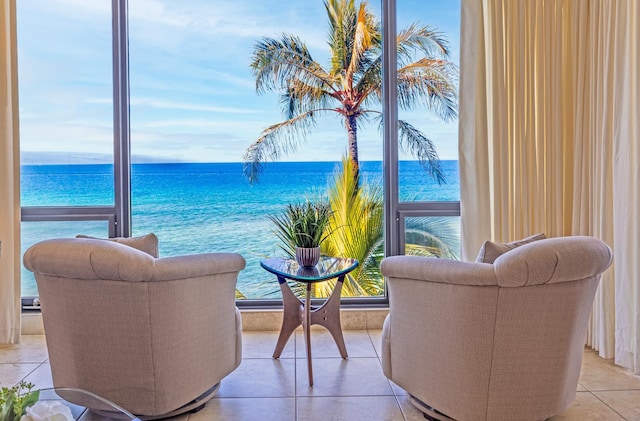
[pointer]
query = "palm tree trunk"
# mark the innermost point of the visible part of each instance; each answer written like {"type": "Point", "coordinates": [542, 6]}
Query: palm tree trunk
{"type": "Point", "coordinates": [352, 135]}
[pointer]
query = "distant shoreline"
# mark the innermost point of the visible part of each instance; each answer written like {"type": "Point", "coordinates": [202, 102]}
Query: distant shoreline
{"type": "Point", "coordinates": [23, 164]}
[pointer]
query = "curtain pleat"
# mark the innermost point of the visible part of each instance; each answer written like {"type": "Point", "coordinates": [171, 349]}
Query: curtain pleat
{"type": "Point", "coordinates": [626, 185]}
{"type": "Point", "coordinates": [9, 179]}
{"type": "Point", "coordinates": [549, 138]}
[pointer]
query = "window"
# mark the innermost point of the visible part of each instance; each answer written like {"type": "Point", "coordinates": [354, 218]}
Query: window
{"type": "Point", "coordinates": [66, 122]}
{"type": "Point", "coordinates": [135, 120]}
{"type": "Point", "coordinates": [424, 207]}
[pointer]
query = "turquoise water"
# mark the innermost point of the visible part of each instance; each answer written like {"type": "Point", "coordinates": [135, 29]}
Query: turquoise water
{"type": "Point", "coordinates": [196, 208]}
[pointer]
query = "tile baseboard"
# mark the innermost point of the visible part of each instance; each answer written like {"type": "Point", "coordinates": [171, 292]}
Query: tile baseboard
{"type": "Point", "coordinates": [257, 320]}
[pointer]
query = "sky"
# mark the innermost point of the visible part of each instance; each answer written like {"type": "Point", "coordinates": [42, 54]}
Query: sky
{"type": "Point", "coordinates": [193, 96]}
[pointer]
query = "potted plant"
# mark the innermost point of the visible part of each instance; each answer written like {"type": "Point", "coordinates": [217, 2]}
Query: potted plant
{"type": "Point", "coordinates": [302, 227]}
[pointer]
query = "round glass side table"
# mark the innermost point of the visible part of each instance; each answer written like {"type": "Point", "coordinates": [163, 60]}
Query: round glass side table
{"type": "Point", "coordinates": [298, 312]}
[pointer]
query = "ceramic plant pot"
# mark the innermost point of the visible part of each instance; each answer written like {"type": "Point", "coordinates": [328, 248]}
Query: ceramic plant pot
{"type": "Point", "coordinates": [307, 256]}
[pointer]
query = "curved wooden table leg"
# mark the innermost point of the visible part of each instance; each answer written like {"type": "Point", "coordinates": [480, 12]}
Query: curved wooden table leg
{"type": "Point", "coordinates": [291, 317]}
{"type": "Point", "coordinates": [307, 331]}
{"type": "Point", "coordinates": [297, 312]}
{"type": "Point", "coordinates": [328, 315]}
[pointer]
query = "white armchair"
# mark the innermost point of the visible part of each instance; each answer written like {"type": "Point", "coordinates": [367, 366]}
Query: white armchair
{"type": "Point", "coordinates": [153, 335]}
{"type": "Point", "coordinates": [501, 341]}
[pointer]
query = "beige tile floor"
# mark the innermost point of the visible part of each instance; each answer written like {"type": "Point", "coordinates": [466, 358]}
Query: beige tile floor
{"type": "Point", "coordinates": [355, 389]}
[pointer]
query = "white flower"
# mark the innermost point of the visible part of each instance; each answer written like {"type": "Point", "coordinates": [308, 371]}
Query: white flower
{"type": "Point", "coordinates": [48, 411]}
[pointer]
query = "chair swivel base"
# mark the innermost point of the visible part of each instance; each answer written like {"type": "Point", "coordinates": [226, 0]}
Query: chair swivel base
{"type": "Point", "coordinates": [194, 406]}
{"type": "Point", "coordinates": [429, 413]}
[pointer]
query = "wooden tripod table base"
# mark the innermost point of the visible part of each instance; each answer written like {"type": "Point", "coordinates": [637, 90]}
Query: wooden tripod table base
{"type": "Point", "coordinates": [298, 312]}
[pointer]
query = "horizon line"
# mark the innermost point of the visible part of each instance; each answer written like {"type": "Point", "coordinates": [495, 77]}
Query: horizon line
{"type": "Point", "coordinates": [211, 162]}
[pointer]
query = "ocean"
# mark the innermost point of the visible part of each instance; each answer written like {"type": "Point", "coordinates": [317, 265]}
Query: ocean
{"type": "Point", "coordinates": [205, 207]}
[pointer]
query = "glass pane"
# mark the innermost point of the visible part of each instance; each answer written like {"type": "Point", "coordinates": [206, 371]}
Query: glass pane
{"type": "Point", "coordinates": [433, 236]}
{"type": "Point", "coordinates": [66, 89]}
{"type": "Point", "coordinates": [428, 123]}
{"type": "Point", "coordinates": [32, 232]}
{"type": "Point", "coordinates": [67, 185]}
{"type": "Point", "coordinates": [194, 114]}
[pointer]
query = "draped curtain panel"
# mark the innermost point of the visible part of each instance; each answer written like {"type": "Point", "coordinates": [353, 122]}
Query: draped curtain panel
{"type": "Point", "coordinates": [9, 179]}
{"type": "Point", "coordinates": [549, 133]}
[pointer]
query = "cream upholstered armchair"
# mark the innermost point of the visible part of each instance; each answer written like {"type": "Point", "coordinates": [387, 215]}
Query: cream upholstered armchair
{"type": "Point", "coordinates": [501, 341]}
{"type": "Point", "coordinates": [153, 335]}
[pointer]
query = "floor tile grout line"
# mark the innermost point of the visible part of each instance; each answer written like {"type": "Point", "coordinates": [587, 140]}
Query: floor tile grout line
{"type": "Point", "coordinates": [29, 373]}
{"type": "Point", "coordinates": [372, 344]}
{"type": "Point", "coordinates": [295, 376]}
{"type": "Point", "coordinates": [404, 416]}
{"type": "Point", "coordinates": [608, 406]}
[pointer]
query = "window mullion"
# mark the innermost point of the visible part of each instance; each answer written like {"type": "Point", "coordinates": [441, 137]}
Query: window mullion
{"type": "Point", "coordinates": [121, 132]}
{"type": "Point", "coordinates": [390, 128]}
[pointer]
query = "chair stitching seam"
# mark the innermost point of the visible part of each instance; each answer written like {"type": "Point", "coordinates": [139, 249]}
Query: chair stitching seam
{"type": "Point", "coordinates": [493, 343]}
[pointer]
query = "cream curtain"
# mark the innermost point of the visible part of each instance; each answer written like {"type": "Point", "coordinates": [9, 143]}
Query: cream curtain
{"type": "Point", "coordinates": [9, 179]}
{"type": "Point", "coordinates": [549, 136]}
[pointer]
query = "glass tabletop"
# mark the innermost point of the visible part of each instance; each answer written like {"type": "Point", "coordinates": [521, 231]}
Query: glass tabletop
{"type": "Point", "coordinates": [327, 268]}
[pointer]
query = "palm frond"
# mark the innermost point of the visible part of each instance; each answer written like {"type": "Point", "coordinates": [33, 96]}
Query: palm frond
{"type": "Point", "coordinates": [300, 98]}
{"type": "Point", "coordinates": [431, 83]}
{"type": "Point", "coordinates": [370, 83]}
{"type": "Point", "coordinates": [433, 236]}
{"type": "Point", "coordinates": [353, 32]}
{"type": "Point", "coordinates": [412, 140]}
{"type": "Point", "coordinates": [356, 225]}
{"type": "Point", "coordinates": [277, 63]}
{"type": "Point", "coordinates": [275, 140]}
{"type": "Point", "coordinates": [425, 39]}
{"type": "Point", "coordinates": [366, 35]}
{"type": "Point", "coordinates": [338, 11]}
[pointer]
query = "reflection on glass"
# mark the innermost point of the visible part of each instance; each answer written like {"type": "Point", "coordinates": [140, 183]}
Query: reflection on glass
{"type": "Point", "coordinates": [32, 232]}
{"type": "Point", "coordinates": [433, 236]}
{"type": "Point", "coordinates": [327, 268]}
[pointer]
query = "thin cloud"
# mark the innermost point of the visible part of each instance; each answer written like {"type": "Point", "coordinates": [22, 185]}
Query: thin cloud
{"type": "Point", "coordinates": [173, 105]}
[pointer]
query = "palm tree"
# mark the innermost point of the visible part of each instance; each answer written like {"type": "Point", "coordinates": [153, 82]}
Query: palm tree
{"type": "Point", "coordinates": [352, 84]}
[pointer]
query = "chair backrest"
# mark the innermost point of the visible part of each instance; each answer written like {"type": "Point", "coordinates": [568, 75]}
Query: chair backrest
{"type": "Point", "coordinates": [541, 322]}
{"type": "Point", "coordinates": [145, 333]}
{"type": "Point", "coordinates": [497, 341]}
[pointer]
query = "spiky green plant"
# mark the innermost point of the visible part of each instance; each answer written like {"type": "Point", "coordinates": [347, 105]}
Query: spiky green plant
{"type": "Point", "coordinates": [302, 225]}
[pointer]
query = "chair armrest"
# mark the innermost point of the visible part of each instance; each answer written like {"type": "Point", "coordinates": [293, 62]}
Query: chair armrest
{"type": "Point", "coordinates": [194, 265]}
{"type": "Point", "coordinates": [558, 259]}
{"type": "Point", "coordinates": [432, 269]}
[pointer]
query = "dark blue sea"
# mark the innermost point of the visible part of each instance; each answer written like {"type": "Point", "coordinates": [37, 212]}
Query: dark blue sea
{"type": "Point", "coordinates": [196, 208]}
